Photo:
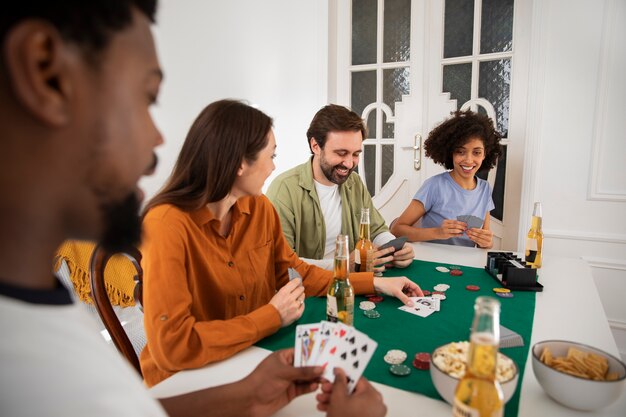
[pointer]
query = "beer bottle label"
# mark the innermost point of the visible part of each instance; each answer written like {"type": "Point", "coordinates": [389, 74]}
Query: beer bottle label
{"type": "Point", "coordinates": [357, 261]}
{"type": "Point", "coordinates": [331, 309]}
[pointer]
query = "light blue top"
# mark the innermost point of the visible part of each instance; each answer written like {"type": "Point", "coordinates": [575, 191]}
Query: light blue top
{"type": "Point", "coordinates": [444, 199]}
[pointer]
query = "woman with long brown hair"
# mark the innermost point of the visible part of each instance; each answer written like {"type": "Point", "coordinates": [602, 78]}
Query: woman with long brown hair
{"type": "Point", "coordinates": [215, 259]}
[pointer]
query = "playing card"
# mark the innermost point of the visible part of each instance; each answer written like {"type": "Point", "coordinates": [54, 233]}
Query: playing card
{"type": "Point", "coordinates": [462, 218]}
{"type": "Point", "coordinates": [326, 331]}
{"type": "Point", "coordinates": [305, 340]}
{"type": "Point", "coordinates": [431, 302]}
{"type": "Point", "coordinates": [293, 274]}
{"type": "Point", "coordinates": [353, 356]}
{"type": "Point", "coordinates": [419, 310]}
{"type": "Point", "coordinates": [333, 346]}
{"type": "Point", "coordinates": [474, 222]}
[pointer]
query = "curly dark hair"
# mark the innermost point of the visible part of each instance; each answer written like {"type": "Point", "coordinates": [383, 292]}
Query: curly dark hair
{"type": "Point", "coordinates": [456, 131]}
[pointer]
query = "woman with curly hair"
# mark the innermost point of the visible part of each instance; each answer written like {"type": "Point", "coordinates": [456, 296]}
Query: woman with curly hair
{"type": "Point", "coordinates": [463, 144]}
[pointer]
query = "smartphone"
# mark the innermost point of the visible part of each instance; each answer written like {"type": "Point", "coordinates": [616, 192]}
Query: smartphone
{"type": "Point", "coordinates": [397, 243]}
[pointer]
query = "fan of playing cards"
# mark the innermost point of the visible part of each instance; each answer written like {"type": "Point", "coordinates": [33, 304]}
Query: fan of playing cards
{"type": "Point", "coordinates": [333, 345]}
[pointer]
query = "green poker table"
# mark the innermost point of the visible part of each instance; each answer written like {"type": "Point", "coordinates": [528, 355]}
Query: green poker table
{"type": "Point", "coordinates": [396, 329]}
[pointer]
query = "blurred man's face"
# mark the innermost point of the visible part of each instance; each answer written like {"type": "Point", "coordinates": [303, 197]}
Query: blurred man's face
{"type": "Point", "coordinates": [120, 134]}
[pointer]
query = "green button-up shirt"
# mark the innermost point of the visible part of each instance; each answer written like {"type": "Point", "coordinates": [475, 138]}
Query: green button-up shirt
{"type": "Point", "coordinates": [295, 199]}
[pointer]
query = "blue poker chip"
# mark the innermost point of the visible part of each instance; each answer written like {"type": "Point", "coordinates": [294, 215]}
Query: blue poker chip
{"type": "Point", "coordinates": [505, 294]}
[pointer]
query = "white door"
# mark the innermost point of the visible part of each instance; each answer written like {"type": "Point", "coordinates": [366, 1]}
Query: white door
{"type": "Point", "coordinates": [404, 65]}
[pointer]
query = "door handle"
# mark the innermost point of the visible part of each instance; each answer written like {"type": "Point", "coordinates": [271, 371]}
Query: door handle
{"type": "Point", "coordinates": [417, 151]}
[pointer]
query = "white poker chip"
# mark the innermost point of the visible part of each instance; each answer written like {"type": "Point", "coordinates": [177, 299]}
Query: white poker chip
{"type": "Point", "coordinates": [395, 356]}
{"type": "Point", "coordinates": [439, 296]}
{"type": "Point", "coordinates": [441, 287]}
{"type": "Point", "coordinates": [442, 269]}
{"type": "Point", "coordinates": [367, 305]}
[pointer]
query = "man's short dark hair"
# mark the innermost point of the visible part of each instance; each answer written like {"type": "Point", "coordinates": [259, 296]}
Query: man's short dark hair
{"type": "Point", "coordinates": [334, 118]}
{"type": "Point", "coordinates": [88, 23]}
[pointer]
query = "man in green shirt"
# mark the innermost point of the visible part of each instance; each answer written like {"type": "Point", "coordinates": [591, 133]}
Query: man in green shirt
{"type": "Point", "coordinates": [323, 197]}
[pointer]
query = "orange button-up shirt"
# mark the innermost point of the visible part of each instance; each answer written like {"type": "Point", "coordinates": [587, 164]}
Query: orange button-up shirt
{"type": "Point", "coordinates": [205, 295]}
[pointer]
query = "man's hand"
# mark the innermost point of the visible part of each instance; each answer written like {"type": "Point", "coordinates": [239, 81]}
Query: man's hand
{"type": "Point", "coordinates": [275, 382]}
{"type": "Point", "coordinates": [404, 257]}
{"type": "Point", "coordinates": [364, 401]}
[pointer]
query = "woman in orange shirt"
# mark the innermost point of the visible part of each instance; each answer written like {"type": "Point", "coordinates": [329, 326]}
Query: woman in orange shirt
{"type": "Point", "coordinates": [214, 256]}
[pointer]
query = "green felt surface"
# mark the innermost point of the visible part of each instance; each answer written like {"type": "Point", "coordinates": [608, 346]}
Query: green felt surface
{"type": "Point", "coordinates": [396, 329]}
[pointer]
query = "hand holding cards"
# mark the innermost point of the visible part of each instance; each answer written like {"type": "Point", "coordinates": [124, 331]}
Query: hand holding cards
{"type": "Point", "coordinates": [333, 345]}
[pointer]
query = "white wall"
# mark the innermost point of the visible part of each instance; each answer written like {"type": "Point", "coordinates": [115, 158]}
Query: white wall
{"type": "Point", "coordinates": [576, 153]}
{"type": "Point", "coordinates": [272, 53]}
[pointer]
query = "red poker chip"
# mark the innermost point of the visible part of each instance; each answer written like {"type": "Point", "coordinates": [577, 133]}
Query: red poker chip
{"type": "Point", "coordinates": [422, 365]}
{"type": "Point", "coordinates": [439, 292]}
{"type": "Point", "coordinates": [472, 288]}
{"type": "Point", "coordinates": [456, 272]}
{"type": "Point", "coordinates": [426, 293]}
{"type": "Point", "coordinates": [422, 357]}
{"type": "Point", "coordinates": [376, 298]}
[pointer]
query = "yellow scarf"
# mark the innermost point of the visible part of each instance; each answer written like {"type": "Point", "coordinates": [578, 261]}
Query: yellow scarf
{"type": "Point", "coordinates": [118, 273]}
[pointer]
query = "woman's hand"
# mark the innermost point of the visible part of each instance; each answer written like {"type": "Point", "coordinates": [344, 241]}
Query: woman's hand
{"type": "Point", "coordinates": [400, 287]}
{"type": "Point", "coordinates": [450, 228]}
{"type": "Point", "coordinates": [289, 301]}
{"type": "Point", "coordinates": [482, 237]}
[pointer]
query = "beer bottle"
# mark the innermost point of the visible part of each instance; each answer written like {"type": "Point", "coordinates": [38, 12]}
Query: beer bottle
{"type": "Point", "coordinates": [364, 248]}
{"type": "Point", "coordinates": [534, 239]}
{"type": "Point", "coordinates": [478, 393]}
{"type": "Point", "coordinates": [340, 297]}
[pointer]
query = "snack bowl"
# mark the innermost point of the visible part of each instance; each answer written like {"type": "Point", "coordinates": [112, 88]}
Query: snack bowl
{"type": "Point", "coordinates": [575, 391]}
{"type": "Point", "coordinates": [447, 366]}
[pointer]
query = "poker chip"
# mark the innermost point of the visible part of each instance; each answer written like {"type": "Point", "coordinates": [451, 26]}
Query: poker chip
{"type": "Point", "coordinates": [505, 294]}
{"type": "Point", "coordinates": [400, 370]}
{"type": "Point", "coordinates": [395, 356]}
{"type": "Point", "coordinates": [454, 267]}
{"type": "Point", "coordinates": [439, 292]}
{"type": "Point", "coordinates": [438, 296]}
{"type": "Point", "coordinates": [472, 288]}
{"type": "Point", "coordinates": [422, 361]}
{"type": "Point", "coordinates": [371, 314]}
{"type": "Point", "coordinates": [456, 272]}
{"type": "Point", "coordinates": [442, 269]}
{"type": "Point", "coordinates": [375, 298]}
{"type": "Point", "coordinates": [426, 293]}
{"type": "Point", "coordinates": [441, 287]}
{"type": "Point", "coordinates": [367, 305]}
{"type": "Point", "coordinates": [498, 289]}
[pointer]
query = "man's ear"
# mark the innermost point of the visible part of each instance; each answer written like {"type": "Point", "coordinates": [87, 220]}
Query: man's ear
{"type": "Point", "coordinates": [315, 147]}
{"type": "Point", "coordinates": [36, 59]}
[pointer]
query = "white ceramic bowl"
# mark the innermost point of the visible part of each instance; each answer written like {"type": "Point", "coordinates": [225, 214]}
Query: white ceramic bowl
{"type": "Point", "coordinates": [446, 384]}
{"type": "Point", "coordinates": [572, 391]}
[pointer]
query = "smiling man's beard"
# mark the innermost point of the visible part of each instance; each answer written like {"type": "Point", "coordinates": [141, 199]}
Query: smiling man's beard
{"type": "Point", "coordinates": [122, 225]}
{"type": "Point", "coordinates": [330, 173]}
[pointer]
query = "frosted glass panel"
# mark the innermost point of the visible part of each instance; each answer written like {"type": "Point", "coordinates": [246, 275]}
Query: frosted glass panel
{"type": "Point", "coordinates": [395, 84]}
{"type": "Point", "coordinates": [364, 17]}
{"type": "Point", "coordinates": [458, 28]}
{"type": "Point", "coordinates": [369, 159]}
{"type": "Point", "coordinates": [496, 31]}
{"type": "Point", "coordinates": [387, 164]}
{"type": "Point", "coordinates": [397, 31]}
{"type": "Point", "coordinates": [457, 80]}
{"type": "Point", "coordinates": [363, 93]}
{"type": "Point", "coordinates": [494, 84]}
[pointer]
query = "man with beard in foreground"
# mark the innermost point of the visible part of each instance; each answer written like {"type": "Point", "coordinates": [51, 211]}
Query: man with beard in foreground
{"type": "Point", "coordinates": [323, 197]}
{"type": "Point", "coordinates": [77, 80]}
